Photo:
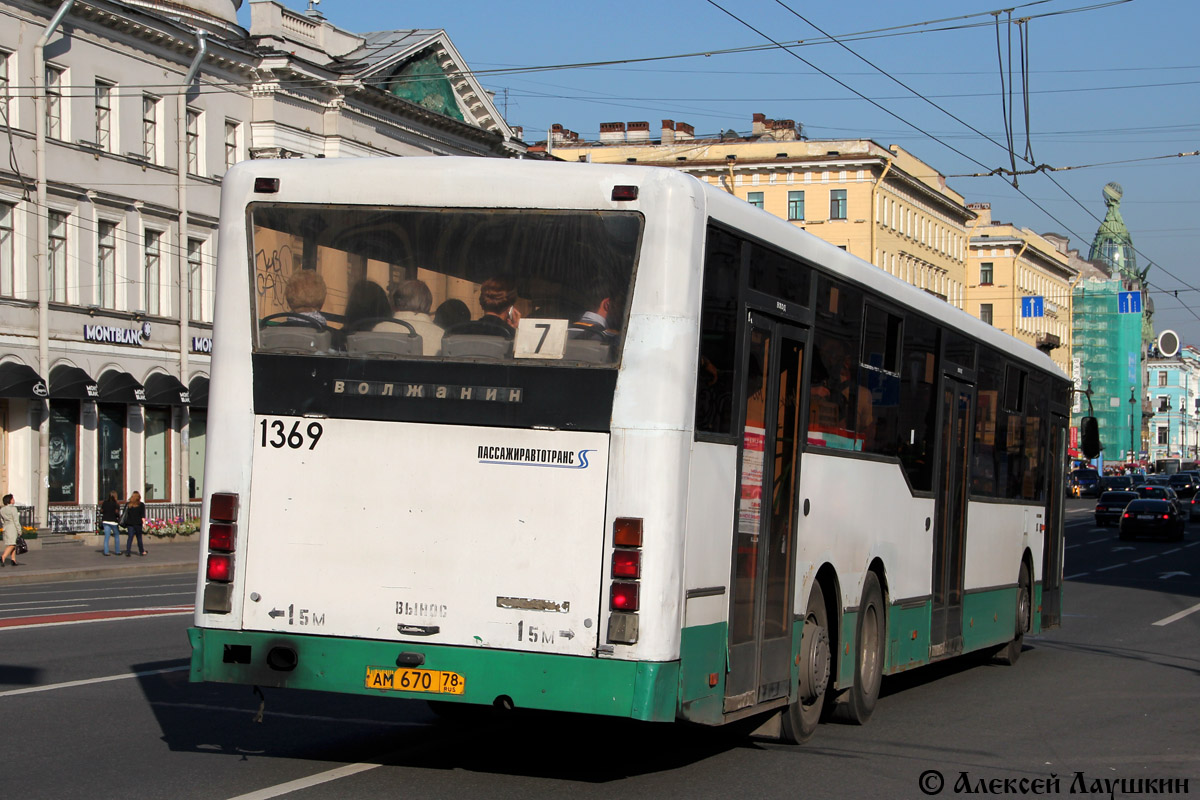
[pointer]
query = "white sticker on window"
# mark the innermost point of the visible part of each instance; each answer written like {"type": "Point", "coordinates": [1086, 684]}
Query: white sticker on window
{"type": "Point", "coordinates": [540, 338]}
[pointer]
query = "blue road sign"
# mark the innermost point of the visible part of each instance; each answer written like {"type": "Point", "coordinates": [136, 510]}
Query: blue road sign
{"type": "Point", "coordinates": [1032, 307]}
{"type": "Point", "coordinates": [1129, 303]}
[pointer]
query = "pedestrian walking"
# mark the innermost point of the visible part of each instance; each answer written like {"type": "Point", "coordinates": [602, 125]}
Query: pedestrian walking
{"type": "Point", "coordinates": [110, 513]}
{"type": "Point", "coordinates": [10, 519]}
{"type": "Point", "coordinates": [133, 516]}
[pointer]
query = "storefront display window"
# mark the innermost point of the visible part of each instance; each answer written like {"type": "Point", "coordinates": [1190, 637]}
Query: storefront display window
{"type": "Point", "coordinates": [110, 456]}
{"type": "Point", "coordinates": [64, 451]}
{"type": "Point", "coordinates": [158, 454]}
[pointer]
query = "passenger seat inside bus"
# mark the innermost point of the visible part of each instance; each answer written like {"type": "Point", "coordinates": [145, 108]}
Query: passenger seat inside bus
{"type": "Point", "coordinates": [294, 339]}
{"type": "Point", "coordinates": [388, 339]}
{"type": "Point", "coordinates": [486, 348]}
{"type": "Point", "coordinates": [588, 351]}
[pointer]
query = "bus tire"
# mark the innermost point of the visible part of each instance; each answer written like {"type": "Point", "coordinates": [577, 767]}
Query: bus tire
{"type": "Point", "coordinates": [869, 642]}
{"type": "Point", "coordinates": [1011, 652]}
{"type": "Point", "coordinates": [801, 717]}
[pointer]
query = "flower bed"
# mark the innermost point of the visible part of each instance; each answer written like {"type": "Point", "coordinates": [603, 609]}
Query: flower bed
{"type": "Point", "coordinates": [170, 528]}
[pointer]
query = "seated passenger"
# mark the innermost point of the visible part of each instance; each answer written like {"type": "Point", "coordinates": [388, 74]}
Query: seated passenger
{"type": "Point", "coordinates": [305, 294]}
{"type": "Point", "coordinates": [367, 300]}
{"type": "Point", "coordinates": [500, 318]}
{"type": "Point", "coordinates": [411, 301]}
{"type": "Point", "coordinates": [450, 313]}
{"type": "Point", "coordinates": [593, 325]}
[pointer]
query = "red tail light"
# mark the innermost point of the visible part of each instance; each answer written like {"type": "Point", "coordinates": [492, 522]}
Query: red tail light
{"type": "Point", "coordinates": [221, 536]}
{"type": "Point", "coordinates": [223, 506]}
{"type": "Point", "coordinates": [627, 532]}
{"type": "Point", "coordinates": [1166, 516]}
{"type": "Point", "coordinates": [624, 597]}
{"type": "Point", "coordinates": [220, 568]}
{"type": "Point", "coordinates": [626, 564]}
{"type": "Point", "coordinates": [1126, 515]}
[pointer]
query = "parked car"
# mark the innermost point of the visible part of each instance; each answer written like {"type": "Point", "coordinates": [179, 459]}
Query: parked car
{"type": "Point", "coordinates": [1184, 483]}
{"type": "Point", "coordinates": [1151, 517]}
{"type": "Point", "coordinates": [1084, 483]}
{"type": "Point", "coordinates": [1153, 492]}
{"type": "Point", "coordinates": [1194, 507]}
{"type": "Point", "coordinates": [1111, 505]}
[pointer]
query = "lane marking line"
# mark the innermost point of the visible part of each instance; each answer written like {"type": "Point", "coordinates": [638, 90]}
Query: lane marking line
{"type": "Point", "coordinates": [83, 617]}
{"type": "Point", "coordinates": [304, 783]}
{"type": "Point", "coordinates": [1178, 616]}
{"type": "Point", "coordinates": [1073, 577]}
{"type": "Point", "coordinates": [89, 681]}
{"type": "Point", "coordinates": [1147, 558]}
{"type": "Point", "coordinates": [96, 599]}
{"type": "Point", "coordinates": [1114, 566]}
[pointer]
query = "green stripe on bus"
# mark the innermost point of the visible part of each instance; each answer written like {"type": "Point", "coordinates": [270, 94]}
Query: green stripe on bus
{"type": "Point", "coordinates": [702, 651]}
{"type": "Point", "coordinates": [908, 637]}
{"type": "Point", "coordinates": [989, 618]}
{"type": "Point", "coordinates": [642, 690]}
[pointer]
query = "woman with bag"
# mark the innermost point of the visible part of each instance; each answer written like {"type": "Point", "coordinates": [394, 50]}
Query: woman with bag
{"type": "Point", "coordinates": [131, 519]}
{"type": "Point", "coordinates": [11, 521]}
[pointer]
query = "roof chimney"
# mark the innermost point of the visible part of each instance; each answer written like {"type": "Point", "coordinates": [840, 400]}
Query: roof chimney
{"type": "Point", "coordinates": [612, 132]}
{"type": "Point", "coordinates": [668, 131]}
{"type": "Point", "coordinates": [638, 132]}
{"type": "Point", "coordinates": [684, 132]}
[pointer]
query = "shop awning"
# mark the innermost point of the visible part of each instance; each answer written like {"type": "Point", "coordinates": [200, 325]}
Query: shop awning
{"type": "Point", "coordinates": [19, 380]}
{"type": "Point", "coordinates": [199, 392]}
{"type": "Point", "coordinates": [120, 387]}
{"type": "Point", "coordinates": [72, 383]}
{"type": "Point", "coordinates": [166, 390]}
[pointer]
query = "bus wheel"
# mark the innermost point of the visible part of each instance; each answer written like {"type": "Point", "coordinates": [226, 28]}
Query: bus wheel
{"type": "Point", "coordinates": [801, 717]}
{"type": "Point", "coordinates": [1009, 653]}
{"type": "Point", "coordinates": [868, 654]}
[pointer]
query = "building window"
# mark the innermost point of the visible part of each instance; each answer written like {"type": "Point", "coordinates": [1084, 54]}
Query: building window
{"type": "Point", "coordinates": [796, 205]}
{"type": "Point", "coordinates": [755, 199]}
{"type": "Point", "coordinates": [64, 451]}
{"type": "Point", "coordinates": [837, 204]}
{"type": "Point", "coordinates": [985, 273]}
{"type": "Point", "coordinates": [58, 256]}
{"type": "Point", "coordinates": [1163, 403]}
{"type": "Point", "coordinates": [985, 312]}
{"type": "Point", "coordinates": [199, 282]}
{"type": "Point", "coordinates": [231, 143]}
{"type": "Point", "coordinates": [158, 453]}
{"type": "Point", "coordinates": [1162, 435]}
{"type": "Point", "coordinates": [153, 274]}
{"type": "Point", "coordinates": [150, 127]}
{"type": "Point", "coordinates": [1162, 379]}
{"type": "Point", "coordinates": [54, 104]}
{"type": "Point", "coordinates": [8, 274]}
{"type": "Point", "coordinates": [197, 428]}
{"type": "Point", "coordinates": [106, 264]}
{"type": "Point", "coordinates": [110, 453]}
{"type": "Point", "coordinates": [193, 142]}
{"type": "Point", "coordinates": [5, 108]}
{"type": "Point", "coordinates": [104, 93]}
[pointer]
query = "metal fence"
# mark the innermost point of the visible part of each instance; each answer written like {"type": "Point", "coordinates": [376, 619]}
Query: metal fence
{"type": "Point", "coordinates": [86, 518]}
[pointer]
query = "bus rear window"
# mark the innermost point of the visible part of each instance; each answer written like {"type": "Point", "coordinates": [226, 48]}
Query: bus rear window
{"type": "Point", "coordinates": [539, 286]}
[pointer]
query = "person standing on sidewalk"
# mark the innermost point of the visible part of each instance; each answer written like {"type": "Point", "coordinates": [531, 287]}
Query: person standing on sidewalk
{"type": "Point", "coordinates": [110, 512]}
{"type": "Point", "coordinates": [10, 518]}
{"type": "Point", "coordinates": [133, 516]}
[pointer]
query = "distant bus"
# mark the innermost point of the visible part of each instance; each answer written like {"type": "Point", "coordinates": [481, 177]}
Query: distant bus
{"type": "Point", "coordinates": [758, 476]}
{"type": "Point", "coordinates": [1166, 466]}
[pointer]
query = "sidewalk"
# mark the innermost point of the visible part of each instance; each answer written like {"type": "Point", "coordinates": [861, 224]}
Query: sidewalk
{"type": "Point", "coordinates": [73, 562]}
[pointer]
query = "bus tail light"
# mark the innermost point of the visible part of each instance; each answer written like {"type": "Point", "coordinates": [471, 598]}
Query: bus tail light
{"type": "Point", "coordinates": [624, 597]}
{"type": "Point", "coordinates": [222, 539]}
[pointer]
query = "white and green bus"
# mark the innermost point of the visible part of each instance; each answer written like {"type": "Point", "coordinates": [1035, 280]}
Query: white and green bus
{"type": "Point", "coordinates": [613, 442]}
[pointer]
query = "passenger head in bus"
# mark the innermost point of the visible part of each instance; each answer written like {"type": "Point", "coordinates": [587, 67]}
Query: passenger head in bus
{"type": "Point", "coordinates": [450, 313]}
{"type": "Point", "coordinates": [305, 294]}
{"type": "Point", "coordinates": [367, 301]}
{"type": "Point", "coordinates": [497, 297]}
{"type": "Point", "coordinates": [411, 302]}
{"type": "Point", "coordinates": [603, 308]}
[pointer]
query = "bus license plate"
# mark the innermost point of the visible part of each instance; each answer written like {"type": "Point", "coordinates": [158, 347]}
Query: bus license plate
{"type": "Point", "coordinates": [433, 681]}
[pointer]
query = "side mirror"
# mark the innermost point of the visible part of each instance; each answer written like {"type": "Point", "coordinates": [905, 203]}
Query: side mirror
{"type": "Point", "coordinates": [1089, 437]}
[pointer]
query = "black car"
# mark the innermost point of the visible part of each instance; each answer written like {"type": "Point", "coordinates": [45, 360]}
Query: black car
{"type": "Point", "coordinates": [1184, 484]}
{"type": "Point", "coordinates": [1151, 518]}
{"type": "Point", "coordinates": [1116, 483]}
{"type": "Point", "coordinates": [1084, 483]}
{"type": "Point", "coordinates": [1194, 507]}
{"type": "Point", "coordinates": [1156, 492]}
{"type": "Point", "coordinates": [1111, 505]}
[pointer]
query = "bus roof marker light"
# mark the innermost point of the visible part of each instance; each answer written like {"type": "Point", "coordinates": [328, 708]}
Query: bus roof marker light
{"type": "Point", "coordinates": [266, 185]}
{"type": "Point", "coordinates": [625, 193]}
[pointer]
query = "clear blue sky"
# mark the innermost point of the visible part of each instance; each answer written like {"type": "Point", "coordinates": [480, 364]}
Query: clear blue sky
{"type": "Point", "coordinates": [1108, 82]}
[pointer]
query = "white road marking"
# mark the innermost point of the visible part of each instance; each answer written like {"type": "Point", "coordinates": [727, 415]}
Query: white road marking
{"type": "Point", "coordinates": [304, 783]}
{"type": "Point", "coordinates": [1173, 550]}
{"type": "Point", "coordinates": [113, 597]}
{"type": "Point", "coordinates": [1073, 577]}
{"type": "Point", "coordinates": [1114, 566]}
{"type": "Point", "coordinates": [44, 608]}
{"type": "Point", "coordinates": [1147, 558]}
{"type": "Point", "coordinates": [89, 681]}
{"type": "Point", "coordinates": [1178, 616]}
{"type": "Point", "coordinates": [33, 625]}
{"type": "Point", "coordinates": [1098, 541]}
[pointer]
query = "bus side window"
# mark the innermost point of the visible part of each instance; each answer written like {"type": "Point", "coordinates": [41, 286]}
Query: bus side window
{"type": "Point", "coordinates": [840, 409]}
{"type": "Point", "coordinates": [718, 334]}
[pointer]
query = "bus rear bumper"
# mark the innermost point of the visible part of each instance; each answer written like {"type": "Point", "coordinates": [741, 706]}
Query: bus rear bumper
{"type": "Point", "coordinates": [642, 690]}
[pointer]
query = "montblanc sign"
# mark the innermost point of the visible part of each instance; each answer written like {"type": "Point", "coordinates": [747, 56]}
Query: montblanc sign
{"type": "Point", "coordinates": [107, 334]}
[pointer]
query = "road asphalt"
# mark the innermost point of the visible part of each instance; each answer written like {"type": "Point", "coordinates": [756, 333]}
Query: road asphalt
{"type": "Point", "coordinates": [81, 560]}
